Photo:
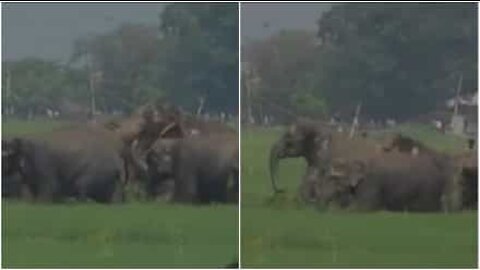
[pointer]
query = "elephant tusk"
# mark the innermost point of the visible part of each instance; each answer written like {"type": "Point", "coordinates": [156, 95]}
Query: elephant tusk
{"type": "Point", "coordinates": [167, 128]}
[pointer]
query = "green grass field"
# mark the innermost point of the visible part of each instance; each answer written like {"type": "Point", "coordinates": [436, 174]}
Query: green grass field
{"type": "Point", "coordinates": [280, 232]}
{"type": "Point", "coordinates": [130, 235]}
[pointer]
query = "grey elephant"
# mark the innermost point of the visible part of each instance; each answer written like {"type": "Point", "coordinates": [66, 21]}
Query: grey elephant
{"type": "Point", "coordinates": [308, 139]}
{"type": "Point", "coordinates": [78, 162]}
{"type": "Point", "coordinates": [390, 181]}
{"type": "Point", "coordinates": [204, 168]}
{"type": "Point", "coordinates": [466, 165]}
{"type": "Point", "coordinates": [301, 139]}
{"type": "Point", "coordinates": [158, 163]}
{"type": "Point", "coordinates": [139, 131]}
{"type": "Point", "coordinates": [362, 163]}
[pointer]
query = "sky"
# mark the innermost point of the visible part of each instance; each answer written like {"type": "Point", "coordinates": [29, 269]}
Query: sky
{"type": "Point", "coordinates": [48, 30]}
{"type": "Point", "coordinates": [261, 20]}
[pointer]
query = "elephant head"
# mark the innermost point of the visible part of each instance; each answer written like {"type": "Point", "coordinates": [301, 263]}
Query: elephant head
{"type": "Point", "coordinates": [341, 181]}
{"type": "Point", "coordinates": [159, 158]}
{"type": "Point", "coordinates": [302, 139]}
{"type": "Point", "coordinates": [159, 162]}
{"type": "Point", "coordinates": [12, 156]}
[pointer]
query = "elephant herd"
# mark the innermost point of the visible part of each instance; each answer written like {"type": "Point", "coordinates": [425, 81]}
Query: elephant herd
{"type": "Point", "coordinates": [158, 152]}
{"type": "Point", "coordinates": [367, 174]}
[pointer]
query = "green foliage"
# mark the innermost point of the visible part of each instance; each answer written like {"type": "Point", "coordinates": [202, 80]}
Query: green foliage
{"type": "Point", "coordinates": [388, 56]}
{"type": "Point", "coordinates": [118, 236]}
{"type": "Point", "coordinates": [279, 232]}
{"type": "Point", "coordinates": [309, 105]}
{"type": "Point", "coordinates": [400, 60]}
{"type": "Point", "coordinates": [282, 66]}
{"type": "Point", "coordinates": [128, 61]}
{"type": "Point", "coordinates": [191, 53]}
{"type": "Point", "coordinates": [291, 238]}
{"type": "Point", "coordinates": [201, 54]}
{"type": "Point", "coordinates": [34, 84]}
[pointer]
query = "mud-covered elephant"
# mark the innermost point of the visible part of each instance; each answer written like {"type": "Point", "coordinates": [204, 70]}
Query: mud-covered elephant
{"type": "Point", "coordinates": [78, 162]}
{"type": "Point", "coordinates": [309, 139]}
{"type": "Point", "coordinates": [11, 178]}
{"type": "Point", "coordinates": [157, 162]}
{"type": "Point", "coordinates": [466, 165]}
{"type": "Point", "coordinates": [139, 131]}
{"type": "Point", "coordinates": [392, 181]}
{"type": "Point", "coordinates": [302, 139]}
{"type": "Point", "coordinates": [204, 169]}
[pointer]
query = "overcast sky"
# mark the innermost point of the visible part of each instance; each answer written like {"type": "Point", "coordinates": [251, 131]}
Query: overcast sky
{"type": "Point", "coordinates": [260, 20]}
{"type": "Point", "coordinates": [47, 30]}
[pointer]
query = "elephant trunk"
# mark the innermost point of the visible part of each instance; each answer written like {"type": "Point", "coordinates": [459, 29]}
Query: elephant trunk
{"type": "Point", "coordinates": [274, 160]}
{"type": "Point", "coordinates": [137, 157]}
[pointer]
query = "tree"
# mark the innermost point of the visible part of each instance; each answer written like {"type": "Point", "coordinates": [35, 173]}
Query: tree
{"type": "Point", "coordinates": [127, 59]}
{"type": "Point", "coordinates": [285, 65]}
{"type": "Point", "coordinates": [34, 85]}
{"type": "Point", "coordinates": [200, 54]}
{"type": "Point", "coordinates": [400, 60]}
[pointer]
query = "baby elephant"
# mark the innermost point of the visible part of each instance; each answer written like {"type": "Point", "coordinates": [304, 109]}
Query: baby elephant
{"type": "Point", "coordinates": [204, 169]}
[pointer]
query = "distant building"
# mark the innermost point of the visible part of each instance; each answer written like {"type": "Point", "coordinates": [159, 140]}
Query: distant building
{"type": "Point", "coordinates": [465, 121]}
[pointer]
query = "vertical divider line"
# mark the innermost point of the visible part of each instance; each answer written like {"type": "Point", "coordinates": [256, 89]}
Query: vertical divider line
{"type": "Point", "coordinates": [239, 134]}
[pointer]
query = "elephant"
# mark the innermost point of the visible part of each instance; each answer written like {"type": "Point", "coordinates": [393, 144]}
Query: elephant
{"type": "Point", "coordinates": [12, 186]}
{"type": "Point", "coordinates": [463, 165]}
{"type": "Point", "coordinates": [391, 181]}
{"type": "Point", "coordinates": [78, 162]}
{"type": "Point", "coordinates": [139, 131]}
{"type": "Point", "coordinates": [309, 139]}
{"type": "Point", "coordinates": [159, 164]}
{"type": "Point", "coordinates": [405, 144]}
{"type": "Point", "coordinates": [156, 162]}
{"type": "Point", "coordinates": [204, 168]}
{"type": "Point", "coordinates": [11, 180]}
{"type": "Point", "coordinates": [467, 170]}
{"type": "Point", "coordinates": [302, 139]}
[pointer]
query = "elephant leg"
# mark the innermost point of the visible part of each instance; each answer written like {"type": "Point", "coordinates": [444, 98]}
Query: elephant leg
{"type": "Point", "coordinates": [186, 187]}
{"type": "Point", "coordinates": [218, 191]}
{"type": "Point", "coordinates": [368, 198]}
{"type": "Point", "coordinates": [118, 195]}
{"type": "Point", "coordinates": [48, 191]}
{"type": "Point", "coordinates": [309, 184]}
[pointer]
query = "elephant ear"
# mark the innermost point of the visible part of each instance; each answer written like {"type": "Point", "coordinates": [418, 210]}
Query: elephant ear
{"type": "Point", "coordinates": [15, 151]}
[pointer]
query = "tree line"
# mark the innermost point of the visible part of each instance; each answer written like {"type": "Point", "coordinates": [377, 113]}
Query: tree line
{"type": "Point", "coordinates": [189, 57]}
{"type": "Point", "coordinates": [397, 60]}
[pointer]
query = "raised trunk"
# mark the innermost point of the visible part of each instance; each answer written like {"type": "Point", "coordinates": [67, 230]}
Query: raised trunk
{"type": "Point", "coordinates": [274, 160]}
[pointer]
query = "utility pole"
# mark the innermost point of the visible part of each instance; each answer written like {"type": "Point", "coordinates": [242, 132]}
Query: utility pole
{"type": "Point", "coordinates": [250, 82]}
{"type": "Point", "coordinates": [457, 95]}
{"type": "Point", "coordinates": [457, 123]}
{"type": "Point", "coordinates": [8, 91]}
{"type": "Point", "coordinates": [355, 120]}
{"type": "Point", "coordinates": [94, 78]}
{"type": "Point", "coordinates": [201, 100]}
